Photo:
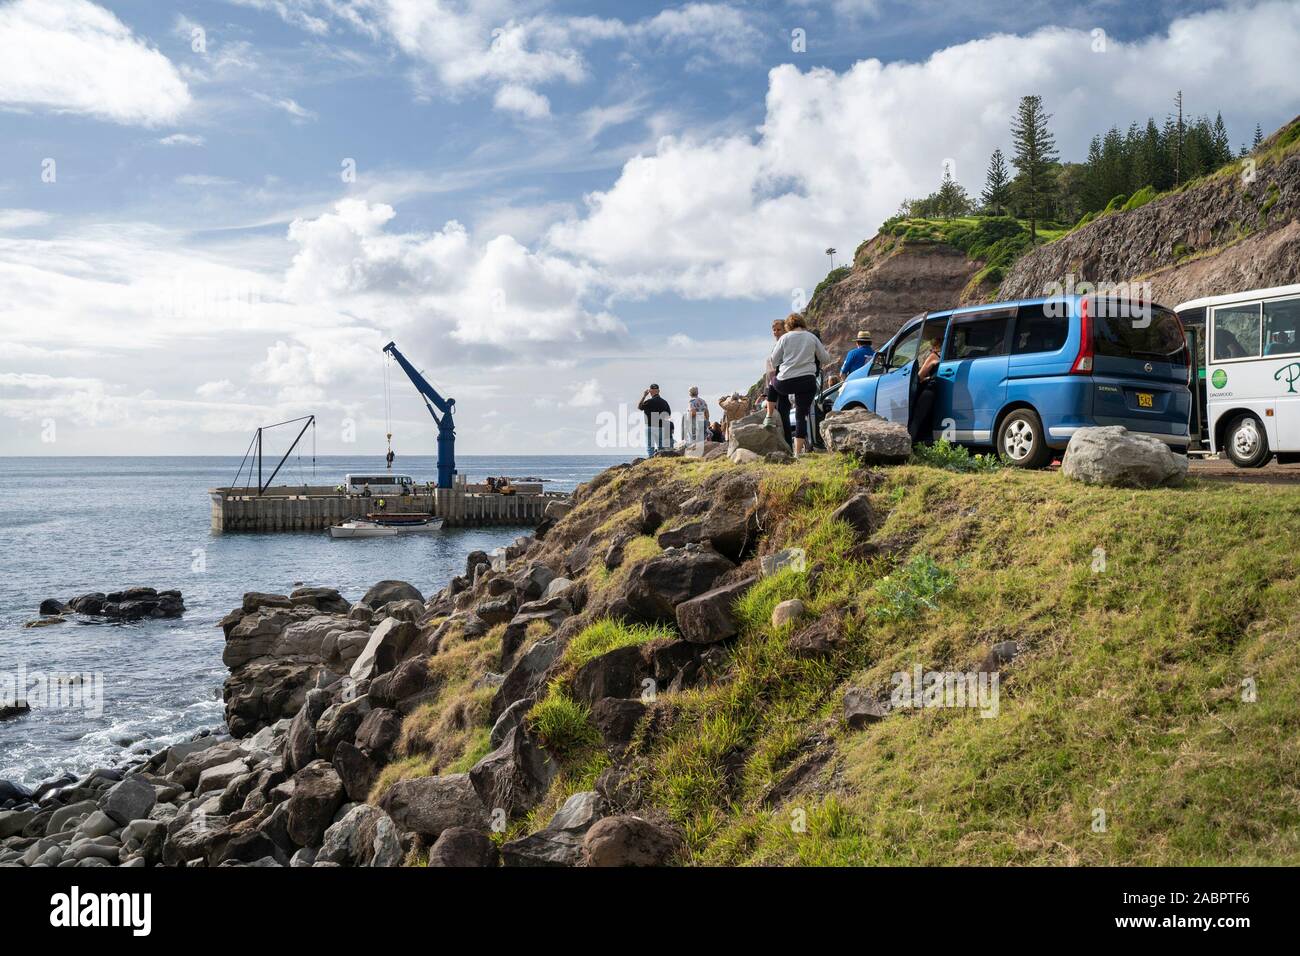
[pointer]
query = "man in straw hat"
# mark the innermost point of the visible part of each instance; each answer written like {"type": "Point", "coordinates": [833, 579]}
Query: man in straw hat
{"type": "Point", "coordinates": [860, 356]}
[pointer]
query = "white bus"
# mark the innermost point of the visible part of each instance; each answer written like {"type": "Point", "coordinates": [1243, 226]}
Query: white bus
{"type": "Point", "coordinates": [388, 484]}
{"type": "Point", "coordinates": [1252, 373]}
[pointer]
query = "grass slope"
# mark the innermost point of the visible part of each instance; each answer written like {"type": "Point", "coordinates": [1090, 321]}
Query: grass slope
{"type": "Point", "coordinates": [1127, 698]}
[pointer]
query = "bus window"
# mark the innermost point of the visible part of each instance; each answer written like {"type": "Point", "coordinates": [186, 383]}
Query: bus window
{"type": "Point", "coordinates": [1236, 332]}
{"type": "Point", "coordinates": [1282, 327]}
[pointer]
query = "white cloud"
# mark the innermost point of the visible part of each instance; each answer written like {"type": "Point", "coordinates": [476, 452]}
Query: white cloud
{"type": "Point", "coordinates": [497, 293]}
{"type": "Point", "coordinates": [11, 219]}
{"type": "Point", "coordinates": [586, 395]}
{"type": "Point", "coordinates": [202, 179]}
{"type": "Point", "coordinates": [76, 57]}
{"type": "Point", "coordinates": [520, 99]}
{"type": "Point", "coordinates": [286, 104]}
{"type": "Point", "coordinates": [181, 139]}
{"type": "Point", "coordinates": [740, 216]}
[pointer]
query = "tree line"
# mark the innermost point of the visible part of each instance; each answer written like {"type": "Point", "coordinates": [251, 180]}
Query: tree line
{"type": "Point", "coordinates": [1143, 159]}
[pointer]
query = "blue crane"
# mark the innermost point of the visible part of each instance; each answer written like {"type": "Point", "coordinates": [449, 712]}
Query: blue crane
{"type": "Point", "coordinates": [446, 425]}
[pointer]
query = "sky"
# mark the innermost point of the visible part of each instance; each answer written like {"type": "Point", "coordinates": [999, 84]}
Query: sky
{"type": "Point", "coordinates": [213, 215]}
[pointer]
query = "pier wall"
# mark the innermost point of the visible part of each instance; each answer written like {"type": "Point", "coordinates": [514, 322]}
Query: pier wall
{"type": "Point", "coordinates": [306, 508]}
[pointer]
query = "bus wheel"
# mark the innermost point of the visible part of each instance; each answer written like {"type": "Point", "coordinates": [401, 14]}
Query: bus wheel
{"type": "Point", "coordinates": [1245, 442]}
{"type": "Point", "coordinates": [1022, 441]}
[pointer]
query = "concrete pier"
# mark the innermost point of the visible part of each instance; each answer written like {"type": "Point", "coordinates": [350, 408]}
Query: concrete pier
{"type": "Point", "coordinates": [315, 508]}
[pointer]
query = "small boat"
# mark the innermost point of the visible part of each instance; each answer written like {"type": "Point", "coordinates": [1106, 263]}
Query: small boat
{"type": "Point", "coordinates": [385, 526]}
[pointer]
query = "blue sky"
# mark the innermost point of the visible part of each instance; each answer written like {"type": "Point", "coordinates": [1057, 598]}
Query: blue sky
{"type": "Point", "coordinates": [553, 203]}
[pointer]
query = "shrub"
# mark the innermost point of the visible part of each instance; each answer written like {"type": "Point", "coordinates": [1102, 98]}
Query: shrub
{"type": "Point", "coordinates": [944, 454]}
{"type": "Point", "coordinates": [913, 588]}
{"type": "Point", "coordinates": [1140, 198]}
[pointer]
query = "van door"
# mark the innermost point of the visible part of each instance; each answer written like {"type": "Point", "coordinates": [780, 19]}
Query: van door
{"type": "Point", "coordinates": [972, 378]}
{"type": "Point", "coordinates": [894, 393]}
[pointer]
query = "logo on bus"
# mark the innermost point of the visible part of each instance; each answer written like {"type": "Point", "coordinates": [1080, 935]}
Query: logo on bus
{"type": "Point", "coordinates": [1219, 378]}
{"type": "Point", "coordinates": [1292, 373]}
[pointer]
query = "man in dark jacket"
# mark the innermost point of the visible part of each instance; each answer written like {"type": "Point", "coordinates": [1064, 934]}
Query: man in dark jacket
{"type": "Point", "coordinates": [658, 420]}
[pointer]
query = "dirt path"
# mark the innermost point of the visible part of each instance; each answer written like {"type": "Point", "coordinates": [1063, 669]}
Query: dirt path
{"type": "Point", "coordinates": [1224, 470]}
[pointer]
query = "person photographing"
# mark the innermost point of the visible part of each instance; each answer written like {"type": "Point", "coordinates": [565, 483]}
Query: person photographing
{"type": "Point", "coordinates": [658, 420]}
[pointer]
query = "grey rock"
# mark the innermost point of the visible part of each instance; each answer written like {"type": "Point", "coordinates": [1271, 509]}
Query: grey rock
{"type": "Point", "coordinates": [1113, 456]}
{"type": "Point", "coordinates": [387, 591]}
{"type": "Point", "coordinates": [132, 799]}
{"type": "Point", "coordinates": [463, 847]}
{"type": "Point", "coordinates": [867, 436]}
{"type": "Point", "coordinates": [429, 805]}
{"type": "Point", "coordinates": [627, 840]}
{"type": "Point", "coordinates": [861, 708]}
{"type": "Point", "coordinates": [708, 618]}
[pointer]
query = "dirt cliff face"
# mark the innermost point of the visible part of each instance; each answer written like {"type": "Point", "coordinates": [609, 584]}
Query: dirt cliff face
{"type": "Point", "coordinates": [1227, 232]}
{"type": "Point", "coordinates": [890, 282]}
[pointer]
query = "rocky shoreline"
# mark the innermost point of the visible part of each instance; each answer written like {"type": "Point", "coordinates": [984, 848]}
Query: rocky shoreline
{"type": "Point", "coordinates": [322, 690]}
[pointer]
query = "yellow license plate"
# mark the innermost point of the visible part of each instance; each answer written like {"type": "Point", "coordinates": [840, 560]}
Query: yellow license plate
{"type": "Point", "coordinates": [1146, 400]}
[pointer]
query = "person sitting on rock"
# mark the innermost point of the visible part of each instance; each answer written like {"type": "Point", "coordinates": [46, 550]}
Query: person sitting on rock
{"type": "Point", "coordinates": [797, 358]}
{"type": "Point", "coordinates": [715, 432]}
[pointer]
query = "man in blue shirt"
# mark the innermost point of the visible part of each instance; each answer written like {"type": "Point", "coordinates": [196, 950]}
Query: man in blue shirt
{"type": "Point", "coordinates": [859, 356]}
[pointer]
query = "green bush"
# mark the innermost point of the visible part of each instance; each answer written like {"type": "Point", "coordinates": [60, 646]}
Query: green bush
{"type": "Point", "coordinates": [1140, 198]}
{"type": "Point", "coordinates": [944, 454]}
{"type": "Point", "coordinates": [913, 588]}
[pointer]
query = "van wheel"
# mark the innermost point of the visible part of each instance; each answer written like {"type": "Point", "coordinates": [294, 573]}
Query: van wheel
{"type": "Point", "coordinates": [1245, 442]}
{"type": "Point", "coordinates": [1022, 441]}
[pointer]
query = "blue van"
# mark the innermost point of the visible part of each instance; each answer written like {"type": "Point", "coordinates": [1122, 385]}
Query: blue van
{"type": "Point", "coordinates": [1024, 376]}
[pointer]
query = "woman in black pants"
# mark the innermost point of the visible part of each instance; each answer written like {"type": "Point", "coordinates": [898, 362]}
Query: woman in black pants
{"type": "Point", "coordinates": [795, 358]}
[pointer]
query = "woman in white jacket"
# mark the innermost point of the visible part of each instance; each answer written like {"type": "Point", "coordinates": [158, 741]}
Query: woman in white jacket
{"type": "Point", "coordinates": [795, 358]}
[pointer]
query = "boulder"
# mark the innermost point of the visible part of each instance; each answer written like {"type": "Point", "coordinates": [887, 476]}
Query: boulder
{"type": "Point", "coordinates": [218, 777]}
{"type": "Point", "coordinates": [510, 719]}
{"type": "Point", "coordinates": [387, 591]}
{"type": "Point", "coordinates": [867, 436]}
{"type": "Point", "coordinates": [728, 533]}
{"type": "Point", "coordinates": [654, 588]}
{"type": "Point", "coordinates": [339, 724]}
{"type": "Point", "coordinates": [132, 799]}
{"type": "Point", "coordinates": [254, 636]}
{"type": "Point", "coordinates": [708, 618]}
{"type": "Point", "coordinates": [379, 730]}
{"type": "Point", "coordinates": [53, 606]}
{"type": "Point", "coordinates": [525, 677]}
{"type": "Point", "coordinates": [325, 600]}
{"type": "Point", "coordinates": [858, 514]}
{"type": "Point", "coordinates": [560, 842]}
{"type": "Point", "coordinates": [317, 794]}
{"type": "Point", "coordinates": [515, 776]}
{"type": "Point", "coordinates": [1113, 456]}
{"type": "Point", "coordinates": [355, 769]}
{"type": "Point", "coordinates": [463, 847]}
{"type": "Point", "coordinates": [256, 600]}
{"type": "Point", "coordinates": [497, 610]}
{"type": "Point", "coordinates": [429, 805]}
{"type": "Point", "coordinates": [388, 642]}
{"type": "Point", "coordinates": [743, 456]}
{"type": "Point", "coordinates": [616, 673]}
{"type": "Point", "coordinates": [861, 708]}
{"type": "Point", "coordinates": [364, 836]}
{"type": "Point", "coordinates": [403, 688]}
{"type": "Point", "coordinates": [819, 639]}
{"type": "Point", "coordinates": [787, 612]}
{"type": "Point", "coordinates": [757, 439]}
{"type": "Point", "coordinates": [627, 840]}
{"type": "Point", "coordinates": [617, 718]}
{"type": "Point", "coordinates": [300, 740]}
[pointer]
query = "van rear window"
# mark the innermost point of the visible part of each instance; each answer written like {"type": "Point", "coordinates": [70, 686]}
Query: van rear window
{"type": "Point", "coordinates": [1121, 329]}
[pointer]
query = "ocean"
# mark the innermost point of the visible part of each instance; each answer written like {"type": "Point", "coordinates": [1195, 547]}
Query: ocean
{"type": "Point", "coordinates": [70, 526]}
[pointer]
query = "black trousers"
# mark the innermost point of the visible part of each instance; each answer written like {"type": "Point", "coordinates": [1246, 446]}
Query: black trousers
{"type": "Point", "coordinates": [801, 391]}
{"type": "Point", "coordinates": [782, 411]}
{"type": "Point", "coordinates": [918, 420]}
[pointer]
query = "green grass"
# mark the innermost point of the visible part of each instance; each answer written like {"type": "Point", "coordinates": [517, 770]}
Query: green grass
{"type": "Point", "coordinates": [944, 454]}
{"type": "Point", "coordinates": [606, 635]}
{"type": "Point", "coordinates": [1126, 698]}
{"type": "Point", "coordinates": [562, 724]}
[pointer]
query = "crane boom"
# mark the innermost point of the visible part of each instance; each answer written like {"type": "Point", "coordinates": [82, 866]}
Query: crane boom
{"type": "Point", "coordinates": [445, 421]}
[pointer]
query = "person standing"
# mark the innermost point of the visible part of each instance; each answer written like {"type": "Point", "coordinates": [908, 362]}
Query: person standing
{"type": "Point", "coordinates": [658, 420]}
{"type": "Point", "coordinates": [776, 400]}
{"type": "Point", "coordinates": [858, 357]}
{"type": "Point", "coordinates": [796, 357]}
{"type": "Point", "coordinates": [697, 417]}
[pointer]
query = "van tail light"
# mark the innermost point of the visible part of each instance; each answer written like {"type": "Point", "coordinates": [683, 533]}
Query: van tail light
{"type": "Point", "coordinates": [1083, 361]}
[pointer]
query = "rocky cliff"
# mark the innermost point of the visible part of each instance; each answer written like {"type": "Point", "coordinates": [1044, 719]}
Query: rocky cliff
{"type": "Point", "coordinates": [890, 281]}
{"type": "Point", "coordinates": [1236, 229]}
